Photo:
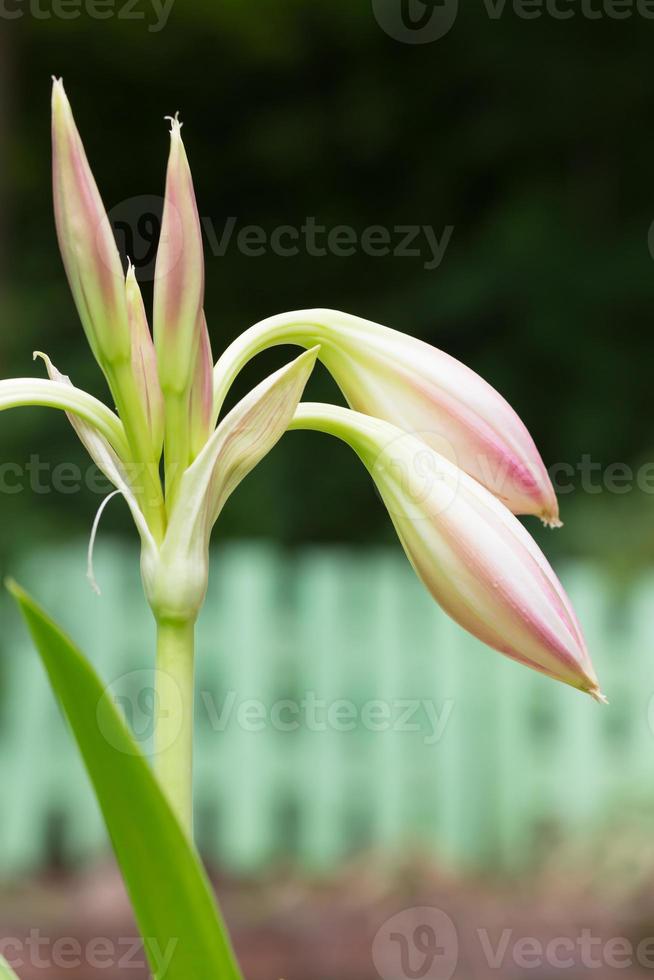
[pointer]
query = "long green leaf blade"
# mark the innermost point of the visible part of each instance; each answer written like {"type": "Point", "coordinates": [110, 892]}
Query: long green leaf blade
{"type": "Point", "coordinates": [6, 973]}
{"type": "Point", "coordinates": [172, 899]}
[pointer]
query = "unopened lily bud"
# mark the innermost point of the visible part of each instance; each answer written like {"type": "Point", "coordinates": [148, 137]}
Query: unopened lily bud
{"type": "Point", "coordinates": [179, 274]}
{"type": "Point", "coordinates": [87, 243]}
{"type": "Point", "coordinates": [202, 393]}
{"type": "Point", "coordinates": [144, 363]}
{"type": "Point", "coordinates": [474, 556]}
{"type": "Point", "coordinates": [422, 390]}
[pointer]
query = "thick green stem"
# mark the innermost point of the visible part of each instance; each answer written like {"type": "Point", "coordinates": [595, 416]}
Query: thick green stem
{"type": "Point", "coordinates": [174, 741]}
{"type": "Point", "coordinates": [174, 718]}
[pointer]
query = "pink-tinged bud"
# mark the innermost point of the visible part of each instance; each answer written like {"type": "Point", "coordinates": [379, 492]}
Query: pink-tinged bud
{"type": "Point", "coordinates": [87, 243]}
{"type": "Point", "coordinates": [422, 390]}
{"type": "Point", "coordinates": [425, 391]}
{"type": "Point", "coordinates": [179, 274]}
{"type": "Point", "coordinates": [473, 555]}
{"type": "Point", "coordinates": [144, 363]}
{"type": "Point", "coordinates": [201, 414]}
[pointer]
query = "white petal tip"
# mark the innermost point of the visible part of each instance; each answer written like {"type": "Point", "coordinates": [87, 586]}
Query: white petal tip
{"type": "Point", "coordinates": [39, 355]}
{"type": "Point", "coordinates": [597, 695]}
{"type": "Point", "coordinates": [59, 98]}
{"type": "Point", "coordinates": [175, 124]}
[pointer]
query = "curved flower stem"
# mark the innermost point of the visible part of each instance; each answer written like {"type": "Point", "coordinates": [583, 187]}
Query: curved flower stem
{"type": "Point", "coordinates": [174, 716]}
{"type": "Point", "coordinates": [28, 392]}
{"type": "Point", "coordinates": [305, 328]}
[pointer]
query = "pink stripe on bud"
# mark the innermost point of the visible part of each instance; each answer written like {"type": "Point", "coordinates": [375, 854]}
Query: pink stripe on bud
{"type": "Point", "coordinates": [474, 556]}
{"type": "Point", "coordinates": [86, 241]}
{"type": "Point", "coordinates": [179, 274]}
{"type": "Point", "coordinates": [202, 393]}
{"type": "Point", "coordinates": [425, 391]}
{"type": "Point", "coordinates": [389, 375]}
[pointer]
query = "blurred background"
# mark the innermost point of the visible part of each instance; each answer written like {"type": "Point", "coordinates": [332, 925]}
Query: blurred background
{"type": "Point", "coordinates": [479, 178]}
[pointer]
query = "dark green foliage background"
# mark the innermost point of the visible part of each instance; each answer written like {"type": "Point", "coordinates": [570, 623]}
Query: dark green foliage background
{"type": "Point", "coordinates": [533, 138]}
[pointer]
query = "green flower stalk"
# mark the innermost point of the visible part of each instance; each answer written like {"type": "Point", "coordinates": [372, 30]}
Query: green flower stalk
{"type": "Point", "coordinates": [452, 460]}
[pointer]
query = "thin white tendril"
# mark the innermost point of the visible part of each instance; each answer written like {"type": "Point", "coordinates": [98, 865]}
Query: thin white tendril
{"type": "Point", "coordinates": [94, 530]}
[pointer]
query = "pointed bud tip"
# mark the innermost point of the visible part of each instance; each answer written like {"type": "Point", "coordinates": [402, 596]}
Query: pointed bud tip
{"type": "Point", "coordinates": [309, 357]}
{"type": "Point", "coordinates": [175, 125]}
{"type": "Point", "coordinates": [597, 695]}
{"type": "Point", "coordinates": [59, 97]}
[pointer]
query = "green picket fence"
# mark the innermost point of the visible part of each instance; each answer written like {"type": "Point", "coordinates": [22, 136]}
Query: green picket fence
{"type": "Point", "coordinates": [338, 711]}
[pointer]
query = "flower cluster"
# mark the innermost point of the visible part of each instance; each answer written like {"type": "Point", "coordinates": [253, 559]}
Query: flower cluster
{"type": "Point", "coordinates": [451, 459]}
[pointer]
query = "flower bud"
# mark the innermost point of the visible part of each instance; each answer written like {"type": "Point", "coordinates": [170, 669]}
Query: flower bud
{"type": "Point", "coordinates": [179, 275]}
{"type": "Point", "coordinates": [144, 363]}
{"type": "Point", "coordinates": [473, 555]}
{"type": "Point", "coordinates": [421, 389]}
{"type": "Point", "coordinates": [202, 393]}
{"type": "Point", "coordinates": [86, 241]}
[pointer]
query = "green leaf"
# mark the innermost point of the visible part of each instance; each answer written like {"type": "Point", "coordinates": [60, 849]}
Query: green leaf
{"type": "Point", "coordinates": [173, 902]}
{"type": "Point", "coordinates": [6, 973]}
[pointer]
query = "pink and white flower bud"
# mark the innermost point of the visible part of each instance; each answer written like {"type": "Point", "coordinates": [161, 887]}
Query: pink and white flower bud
{"type": "Point", "coordinates": [179, 274]}
{"type": "Point", "coordinates": [201, 413]}
{"type": "Point", "coordinates": [144, 363]}
{"type": "Point", "coordinates": [86, 240]}
{"type": "Point", "coordinates": [473, 555]}
{"type": "Point", "coordinates": [422, 390]}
